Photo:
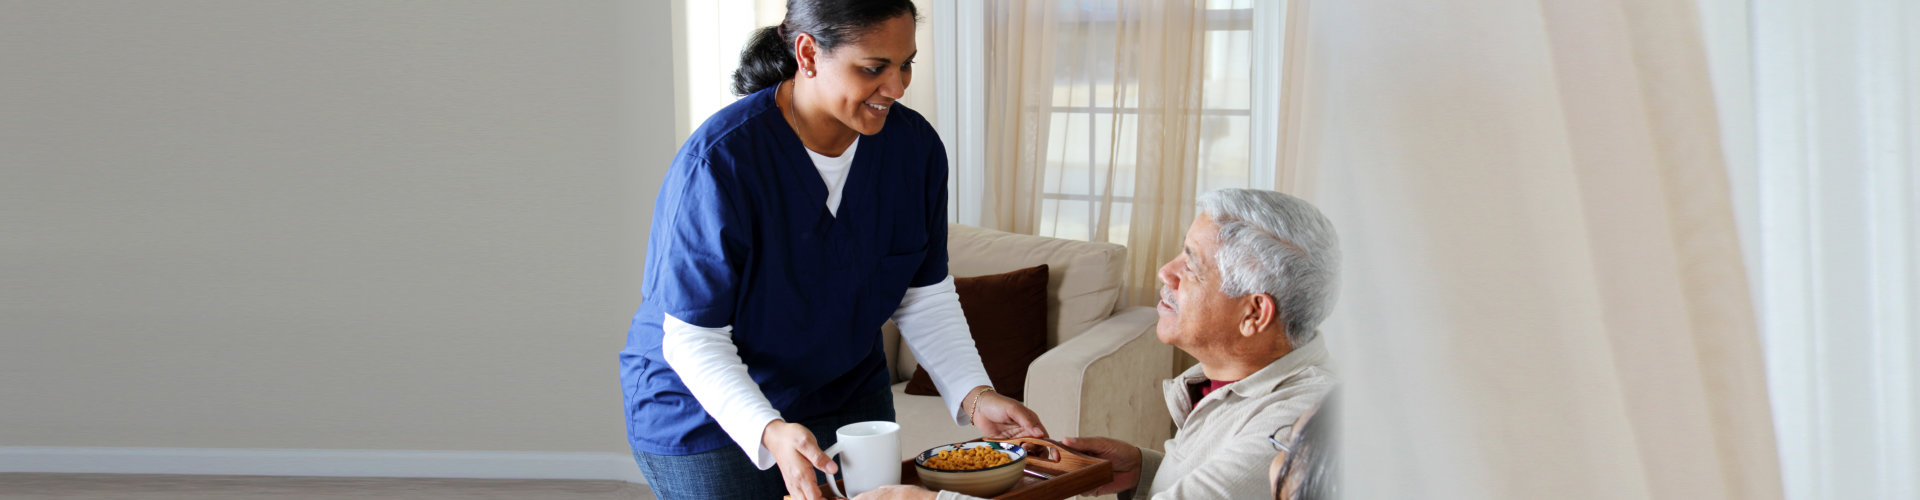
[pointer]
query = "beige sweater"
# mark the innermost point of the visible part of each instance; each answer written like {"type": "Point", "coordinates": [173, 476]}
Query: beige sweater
{"type": "Point", "coordinates": [1220, 447]}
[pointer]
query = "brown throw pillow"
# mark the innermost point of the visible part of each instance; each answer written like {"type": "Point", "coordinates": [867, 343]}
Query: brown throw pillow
{"type": "Point", "coordinates": [1008, 315]}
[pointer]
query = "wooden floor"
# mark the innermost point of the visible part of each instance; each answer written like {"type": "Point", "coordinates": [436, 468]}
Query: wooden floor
{"type": "Point", "coordinates": [14, 486]}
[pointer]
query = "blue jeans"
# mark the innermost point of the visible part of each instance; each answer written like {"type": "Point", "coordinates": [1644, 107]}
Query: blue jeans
{"type": "Point", "coordinates": [727, 473]}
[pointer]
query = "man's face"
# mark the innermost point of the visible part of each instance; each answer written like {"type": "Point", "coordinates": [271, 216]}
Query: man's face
{"type": "Point", "coordinates": [1194, 313]}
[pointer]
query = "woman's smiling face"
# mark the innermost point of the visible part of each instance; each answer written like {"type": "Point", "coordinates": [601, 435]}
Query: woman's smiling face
{"type": "Point", "coordinates": [859, 81]}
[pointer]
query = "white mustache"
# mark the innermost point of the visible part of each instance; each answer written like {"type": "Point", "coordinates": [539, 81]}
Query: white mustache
{"type": "Point", "coordinates": [1167, 297]}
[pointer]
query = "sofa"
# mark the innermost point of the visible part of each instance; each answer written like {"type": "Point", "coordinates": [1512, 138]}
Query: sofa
{"type": "Point", "coordinates": [1101, 373]}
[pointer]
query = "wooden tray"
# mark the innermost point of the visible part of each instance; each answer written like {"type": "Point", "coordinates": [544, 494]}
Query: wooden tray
{"type": "Point", "coordinates": [1073, 473]}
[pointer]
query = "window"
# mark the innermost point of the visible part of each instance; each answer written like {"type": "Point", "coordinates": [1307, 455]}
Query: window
{"type": "Point", "coordinates": [1092, 126]}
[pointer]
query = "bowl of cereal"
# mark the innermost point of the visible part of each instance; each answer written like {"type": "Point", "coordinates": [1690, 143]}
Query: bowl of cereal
{"type": "Point", "coordinates": [976, 468]}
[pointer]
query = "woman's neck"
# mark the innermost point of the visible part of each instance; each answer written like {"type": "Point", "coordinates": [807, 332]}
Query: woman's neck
{"type": "Point", "coordinates": [819, 131]}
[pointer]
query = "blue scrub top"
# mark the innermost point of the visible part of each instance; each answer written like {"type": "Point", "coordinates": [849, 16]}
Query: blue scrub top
{"type": "Point", "coordinates": [742, 236]}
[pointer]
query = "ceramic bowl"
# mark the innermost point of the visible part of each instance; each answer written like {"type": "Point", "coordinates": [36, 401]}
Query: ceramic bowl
{"type": "Point", "coordinates": [978, 482]}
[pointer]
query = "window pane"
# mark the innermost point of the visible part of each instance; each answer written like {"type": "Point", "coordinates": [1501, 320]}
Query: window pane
{"type": "Point", "coordinates": [1056, 151]}
{"type": "Point", "coordinates": [1129, 154]}
{"type": "Point", "coordinates": [1225, 145]}
{"type": "Point", "coordinates": [1083, 63]}
{"type": "Point", "coordinates": [1100, 68]}
{"type": "Point", "coordinates": [1049, 212]}
{"type": "Point", "coordinates": [1117, 231]}
{"type": "Point", "coordinates": [1102, 149]}
{"type": "Point", "coordinates": [1229, 83]}
{"type": "Point", "coordinates": [1072, 220]}
{"type": "Point", "coordinates": [1070, 155]}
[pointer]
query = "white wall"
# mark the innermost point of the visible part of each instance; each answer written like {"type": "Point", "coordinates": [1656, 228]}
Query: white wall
{"type": "Point", "coordinates": [346, 224]}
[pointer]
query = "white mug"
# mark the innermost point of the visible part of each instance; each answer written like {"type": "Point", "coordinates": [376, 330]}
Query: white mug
{"type": "Point", "coordinates": [869, 456]}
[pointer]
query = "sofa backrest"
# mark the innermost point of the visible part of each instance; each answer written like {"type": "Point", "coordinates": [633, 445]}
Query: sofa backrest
{"type": "Point", "coordinates": [1084, 279]}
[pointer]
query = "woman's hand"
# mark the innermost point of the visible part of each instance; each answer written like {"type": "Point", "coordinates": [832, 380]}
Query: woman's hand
{"type": "Point", "coordinates": [1125, 458]}
{"type": "Point", "coordinates": [797, 453]}
{"type": "Point", "coordinates": [1000, 417]}
{"type": "Point", "coordinates": [897, 492]}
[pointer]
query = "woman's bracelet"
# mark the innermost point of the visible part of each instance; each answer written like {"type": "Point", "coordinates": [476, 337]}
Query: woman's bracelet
{"type": "Point", "coordinates": [976, 401]}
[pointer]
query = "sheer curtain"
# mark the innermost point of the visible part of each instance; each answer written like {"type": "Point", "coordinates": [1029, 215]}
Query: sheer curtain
{"type": "Point", "coordinates": [1096, 122]}
{"type": "Point", "coordinates": [1543, 292]}
{"type": "Point", "coordinates": [1821, 101]}
{"type": "Point", "coordinates": [710, 34]}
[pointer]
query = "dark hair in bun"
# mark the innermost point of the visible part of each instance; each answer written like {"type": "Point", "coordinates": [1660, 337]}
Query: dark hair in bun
{"type": "Point", "coordinates": [767, 59]}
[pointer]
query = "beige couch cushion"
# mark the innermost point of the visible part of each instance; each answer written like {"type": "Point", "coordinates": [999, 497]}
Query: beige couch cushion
{"type": "Point", "coordinates": [924, 423]}
{"type": "Point", "coordinates": [1083, 280]}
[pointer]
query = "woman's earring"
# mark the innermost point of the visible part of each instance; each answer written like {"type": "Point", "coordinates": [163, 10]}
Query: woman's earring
{"type": "Point", "coordinates": [809, 73]}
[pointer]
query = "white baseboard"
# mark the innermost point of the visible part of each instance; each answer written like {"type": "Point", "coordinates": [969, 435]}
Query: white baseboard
{"type": "Point", "coordinates": [337, 463]}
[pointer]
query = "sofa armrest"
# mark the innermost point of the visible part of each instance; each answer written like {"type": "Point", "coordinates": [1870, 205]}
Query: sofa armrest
{"type": "Point", "coordinates": [1106, 382]}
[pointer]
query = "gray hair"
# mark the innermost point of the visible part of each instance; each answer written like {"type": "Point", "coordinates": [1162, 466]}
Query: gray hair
{"type": "Point", "coordinates": [1279, 245]}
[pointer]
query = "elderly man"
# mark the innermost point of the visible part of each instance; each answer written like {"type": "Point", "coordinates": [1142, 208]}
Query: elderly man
{"type": "Point", "coordinates": [1256, 276]}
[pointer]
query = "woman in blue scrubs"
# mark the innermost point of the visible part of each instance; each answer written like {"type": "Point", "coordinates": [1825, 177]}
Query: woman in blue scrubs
{"type": "Point", "coordinates": [790, 226]}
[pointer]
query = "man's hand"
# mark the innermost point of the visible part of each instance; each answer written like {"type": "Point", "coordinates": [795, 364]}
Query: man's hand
{"type": "Point", "coordinates": [897, 492]}
{"type": "Point", "coordinates": [797, 453]}
{"type": "Point", "coordinates": [1125, 458]}
{"type": "Point", "coordinates": [1000, 417]}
